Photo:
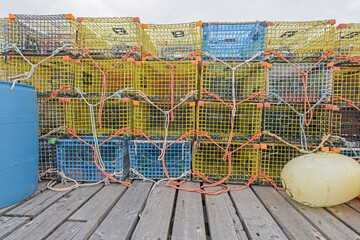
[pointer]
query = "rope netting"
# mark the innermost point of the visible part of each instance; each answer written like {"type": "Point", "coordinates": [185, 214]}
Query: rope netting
{"type": "Point", "coordinates": [169, 116]}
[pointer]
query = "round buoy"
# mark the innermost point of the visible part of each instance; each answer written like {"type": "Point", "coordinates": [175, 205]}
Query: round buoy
{"type": "Point", "coordinates": [322, 179]}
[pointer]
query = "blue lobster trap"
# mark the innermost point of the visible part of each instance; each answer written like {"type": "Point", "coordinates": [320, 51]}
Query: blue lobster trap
{"type": "Point", "coordinates": [76, 159]}
{"type": "Point", "coordinates": [47, 157]}
{"type": "Point", "coordinates": [233, 41]}
{"type": "Point", "coordinates": [144, 159]}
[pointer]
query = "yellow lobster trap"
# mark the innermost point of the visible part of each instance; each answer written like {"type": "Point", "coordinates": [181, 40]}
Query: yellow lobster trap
{"type": "Point", "coordinates": [49, 76]}
{"type": "Point", "coordinates": [273, 159]}
{"type": "Point", "coordinates": [300, 41]}
{"type": "Point", "coordinates": [287, 124]}
{"type": "Point", "coordinates": [347, 85]}
{"type": "Point", "coordinates": [154, 79]}
{"type": "Point", "coordinates": [109, 37]}
{"type": "Point", "coordinates": [89, 78]}
{"type": "Point", "coordinates": [214, 118]}
{"type": "Point", "coordinates": [208, 160]}
{"type": "Point", "coordinates": [151, 121]}
{"type": "Point", "coordinates": [172, 41]}
{"type": "Point", "coordinates": [216, 77]}
{"type": "Point", "coordinates": [117, 114]}
{"type": "Point", "coordinates": [348, 41]}
{"type": "Point", "coordinates": [40, 34]}
{"type": "Point", "coordinates": [53, 115]}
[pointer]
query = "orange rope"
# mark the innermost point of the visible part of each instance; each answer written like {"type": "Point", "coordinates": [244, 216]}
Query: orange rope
{"type": "Point", "coordinates": [125, 129]}
{"type": "Point", "coordinates": [305, 80]}
{"type": "Point", "coordinates": [55, 93]}
{"type": "Point", "coordinates": [104, 73]}
{"type": "Point", "coordinates": [172, 66]}
{"type": "Point", "coordinates": [351, 103]}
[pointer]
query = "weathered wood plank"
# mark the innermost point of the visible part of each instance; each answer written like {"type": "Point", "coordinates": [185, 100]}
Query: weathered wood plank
{"type": "Point", "coordinates": [189, 216]}
{"type": "Point", "coordinates": [258, 223]}
{"type": "Point", "coordinates": [224, 224]}
{"type": "Point", "coordinates": [41, 226]}
{"type": "Point", "coordinates": [347, 215]}
{"type": "Point", "coordinates": [37, 204]}
{"type": "Point", "coordinates": [41, 188]}
{"type": "Point", "coordinates": [155, 219]}
{"type": "Point", "coordinates": [99, 205]}
{"type": "Point", "coordinates": [355, 203]}
{"type": "Point", "coordinates": [294, 225]}
{"type": "Point", "coordinates": [74, 231]}
{"type": "Point", "coordinates": [121, 220]}
{"type": "Point", "coordinates": [329, 225]}
{"type": "Point", "coordinates": [10, 224]}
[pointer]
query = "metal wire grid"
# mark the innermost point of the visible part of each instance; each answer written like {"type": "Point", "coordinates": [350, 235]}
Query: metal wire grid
{"type": "Point", "coordinates": [47, 158]}
{"type": "Point", "coordinates": [348, 41]}
{"type": "Point", "coordinates": [287, 82]}
{"type": "Point", "coordinates": [4, 28]}
{"type": "Point", "coordinates": [208, 160]}
{"type": "Point", "coordinates": [89, 78]}
{"type": "Point", "coordinates": [52, 115]}
{"type": "Point", "coordinates": [151, 120]}
{"type": "Point", "coordinates": [233, 41]}
{"type": "Point", "coordinates": [350, 124]}
{"type": "Point", "coordinates": [300, 41]}
{"type": "Point", "coordinates": [172, 41]}
{"type": "Point", "coordinates": [154, 79]}
{"type": "Point", "coordinates": [347, 85]}
{"type": "Point", "coordinates": [281, 120]}
{"type": "Point", "coordinates": [41, 34]}
{"type": "Point", "coordinates": [215, 119]}
{"type": "Point", "coordinates": [76, 159]}
{"type": "Point", "coordinates": [48, 76]}
{"type": "Point", "coordinates": [216, 77]}
{"type": "Point", "coordinates": [273, 160]}
{"type": "Point", "coordinates": [351, 152]}
{"type": "Point", "coordinates": [116, 114]}
{"type": "Point", "coordinates": [144, 159]}
{"type": "Point", "coordinates": [109, 37]}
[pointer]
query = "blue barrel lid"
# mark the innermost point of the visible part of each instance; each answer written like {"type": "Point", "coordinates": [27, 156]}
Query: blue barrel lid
{"type": "Point", "coordinates": [17, 84]}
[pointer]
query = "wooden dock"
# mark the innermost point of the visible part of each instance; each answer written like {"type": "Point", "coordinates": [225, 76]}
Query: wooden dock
{"type": "Point", "coordinates": [158, 213]}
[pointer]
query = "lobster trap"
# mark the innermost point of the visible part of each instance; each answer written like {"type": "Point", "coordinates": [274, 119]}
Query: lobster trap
{"type": "Point", "coordinates": [154, 79]}
{"type": "Point", "coordinates": [347, 85]}
{"type": "Point", "coordinates": [144, 159]}
{"type": "Point", "coordinates": [283, 121]}
{"type": "Point", "coordinates": [40, 34]}
{"type": "Point", "coordinates": [53, 116]}
{"type": "Point", "coordinates": [47, 157]}
{"type": "Point", "coordinates": [47, 77]}
{"type": "Point", "coordinates": [354, 153]}
{"type": "Point", "coordinates": [216, 77]}
{"type": "Point", "coordinates": [3, 31]}
{"type": "Point", "coordinates": [116, 114]}
{"type": "Point", "coordinates": [287, 82]}
{"type": "Point", "coordinates": [273, 158]}
{"type": "Point", "coordinates": [350, 124]}
{"type": "Point", "coordinates": [300, 41]}
{"type": "Point", "coordinates": [151, 121]}
{"type": "Point", "coordinates": [214, 118]}
{"type": "Point", "coordinates": [76, 159]}
{"type": "Point", "coordinates": [89, 78]}
{"type": "Point", "coordinates": [208, 160]}
{"type": "Point", "coordinates": [233, 41]}
{"type": "Point", "coordinates": [172, 42]}
{"type": "Point", "coordinates": [110, 37]}
{"type": "Point", "coordinates": [348, 41]}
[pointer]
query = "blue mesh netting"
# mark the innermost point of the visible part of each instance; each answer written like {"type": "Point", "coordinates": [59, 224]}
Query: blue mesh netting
{"type": "Point", "coordinates": [76, 159]}
{"type": "Point", "coordinates": [233, 41]}
{"type": "Point", "coordinates": [144, 159]}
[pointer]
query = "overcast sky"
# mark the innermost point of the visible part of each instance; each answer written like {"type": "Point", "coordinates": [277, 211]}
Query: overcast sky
{"type": "Point", "coordinates": [173, 11]}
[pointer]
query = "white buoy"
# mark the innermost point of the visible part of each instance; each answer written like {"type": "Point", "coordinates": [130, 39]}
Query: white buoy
{"type": "Point", "coordinates": [322, 179]}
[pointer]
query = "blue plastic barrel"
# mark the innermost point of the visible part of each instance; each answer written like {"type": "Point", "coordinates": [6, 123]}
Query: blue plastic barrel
{"type": "Point", "coordinates": [19, 144]}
